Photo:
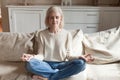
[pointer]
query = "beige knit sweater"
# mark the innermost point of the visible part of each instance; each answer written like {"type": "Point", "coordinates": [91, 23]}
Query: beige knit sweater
{"type": "Point", "coordinates": [54, 46]}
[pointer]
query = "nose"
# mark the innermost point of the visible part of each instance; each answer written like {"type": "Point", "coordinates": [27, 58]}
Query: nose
{"type": "Point", "coordinates": [54, 19]}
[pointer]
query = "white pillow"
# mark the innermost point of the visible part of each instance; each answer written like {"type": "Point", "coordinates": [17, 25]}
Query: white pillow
{"type": "Point", "coordinates": [77, 42]}
{"type": "Point", "coordinates": [103, 45]}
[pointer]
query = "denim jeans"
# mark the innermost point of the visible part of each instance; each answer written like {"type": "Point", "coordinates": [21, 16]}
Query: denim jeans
{"type": "Point", "coordinates": [55, 70]}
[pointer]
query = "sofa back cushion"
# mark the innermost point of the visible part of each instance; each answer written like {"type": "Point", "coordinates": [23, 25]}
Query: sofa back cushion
{"type": "Point", "coordinates": [13, 45]}
{"type": "Point", "coordinates": [103, 45]}
{"type": "Point", "coordinates": [77, 42]}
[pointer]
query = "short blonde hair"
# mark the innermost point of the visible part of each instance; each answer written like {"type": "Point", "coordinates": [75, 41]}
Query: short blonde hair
{"type": "Point", "coordinates": [54, 9]}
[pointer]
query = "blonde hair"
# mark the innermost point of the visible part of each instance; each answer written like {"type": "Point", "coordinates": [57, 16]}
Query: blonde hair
{"type": "Point", "coordinates": [54, 9]}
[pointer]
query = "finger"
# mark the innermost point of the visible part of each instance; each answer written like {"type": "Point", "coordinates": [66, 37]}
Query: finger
{"type": "Point", "coordinates": [87, 55]}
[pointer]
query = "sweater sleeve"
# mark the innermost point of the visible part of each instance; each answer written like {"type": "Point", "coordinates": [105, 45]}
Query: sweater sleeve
{"type": "Point", "coordinates": [70, 54]}
{"type": "Point", "coordinates": [39, 41]}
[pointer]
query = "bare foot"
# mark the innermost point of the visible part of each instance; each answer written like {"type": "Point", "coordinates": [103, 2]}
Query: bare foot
{"type": "Point", "coordinates": [37, 77]}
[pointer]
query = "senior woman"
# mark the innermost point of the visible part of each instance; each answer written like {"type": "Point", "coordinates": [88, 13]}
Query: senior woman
{"type": "Point", "coordinates": [54, 60]}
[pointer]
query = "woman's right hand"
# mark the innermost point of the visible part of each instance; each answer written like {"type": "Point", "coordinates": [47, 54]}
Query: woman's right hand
{"type": "Point", "coordinates": [26, 57]}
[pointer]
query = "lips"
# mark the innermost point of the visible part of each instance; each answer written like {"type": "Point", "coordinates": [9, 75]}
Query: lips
{"type": "Point", "coordinates": [54, 23]}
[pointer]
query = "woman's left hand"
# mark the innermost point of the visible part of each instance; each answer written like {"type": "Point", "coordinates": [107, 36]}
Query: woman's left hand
{"type": "Point", "coordinates": [87, 57]}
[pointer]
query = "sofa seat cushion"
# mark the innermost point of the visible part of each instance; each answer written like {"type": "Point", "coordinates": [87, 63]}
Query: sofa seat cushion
{"type": "Point", "coordinates": [80, 76]}
{"type": "Point", "coordinates": [103, 72]}
{"type": "Point", "coordinates": [13, 71]}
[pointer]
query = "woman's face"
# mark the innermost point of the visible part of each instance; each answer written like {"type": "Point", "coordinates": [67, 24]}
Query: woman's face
{"type": "Point", "coordinates": [54, 19]}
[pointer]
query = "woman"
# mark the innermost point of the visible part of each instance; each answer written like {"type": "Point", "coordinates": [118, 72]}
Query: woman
{"type": "Point", "coordinates": [54, 60]}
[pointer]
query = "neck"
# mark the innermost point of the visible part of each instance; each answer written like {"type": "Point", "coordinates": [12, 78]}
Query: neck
{"type": "Point", "coordinates": [54, 30]}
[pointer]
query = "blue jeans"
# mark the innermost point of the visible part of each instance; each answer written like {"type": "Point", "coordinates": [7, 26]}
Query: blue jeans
{"type": "Point", "coordinates": [55, 70]}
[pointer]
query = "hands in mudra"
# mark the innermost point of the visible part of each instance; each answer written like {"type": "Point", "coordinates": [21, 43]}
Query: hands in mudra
{"type": "Point", "coordinates": [86, 57]}
{"type": "Point", "coordinates": [26, 57]}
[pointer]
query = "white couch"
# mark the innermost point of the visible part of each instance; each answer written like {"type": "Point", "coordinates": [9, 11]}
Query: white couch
{"type": "Point", "coordinates": [104, 46]}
